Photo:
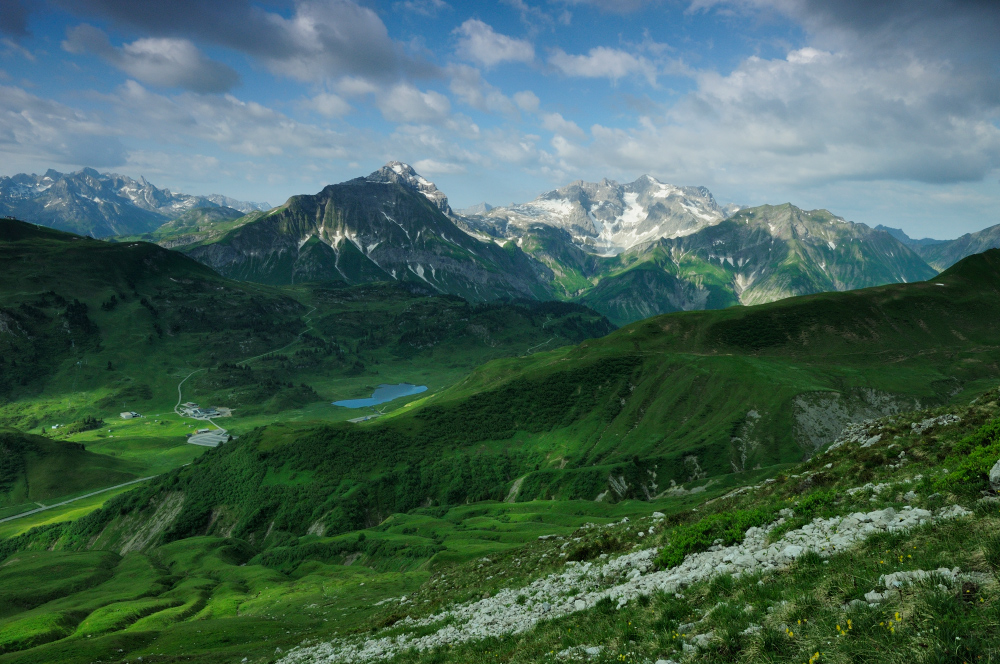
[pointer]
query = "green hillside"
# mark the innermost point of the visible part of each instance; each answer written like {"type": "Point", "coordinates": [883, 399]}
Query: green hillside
{"type": "Point", "coordinates": [196, 225]}
{"type": "Point", "coordinates": [329, 534]}
{"type": "Point", "coordinates": [93, 328]}
{"type": "Point", "coordinates": [667, 401]}
{"type": "Point", "coordinates": [36, 468]}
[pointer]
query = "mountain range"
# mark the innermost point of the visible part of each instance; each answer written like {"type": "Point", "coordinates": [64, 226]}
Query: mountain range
{"type": "Point", "coordinates": [391, 225]}
{"type": "Point", "coordinates": [606, 217]}
{"type": "Point", "coordinates": [628, 251]}
{"type": "Point", "coordinates": [101, 205]}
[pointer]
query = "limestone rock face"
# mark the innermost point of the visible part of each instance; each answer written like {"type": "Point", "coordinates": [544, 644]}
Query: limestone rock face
{"type": "Point", "coordinates": [995, 476]}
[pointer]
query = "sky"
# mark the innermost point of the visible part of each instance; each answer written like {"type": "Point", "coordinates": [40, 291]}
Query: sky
{"type": "Point", "coordinates": [882, 112]}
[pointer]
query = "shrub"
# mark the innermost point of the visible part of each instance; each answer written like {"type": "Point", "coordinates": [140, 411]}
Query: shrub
{"type": "Point", "coordinates": [972, 458]}
{"type": "Point", "coordinates": [729, 527]}
{"type": "Point", "coordinates": [88, 423]}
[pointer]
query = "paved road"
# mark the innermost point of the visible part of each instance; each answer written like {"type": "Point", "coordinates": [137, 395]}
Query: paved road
{"type": "Point", "coordinates": [72, 500]}
{"type": "Point", "coordinates": [210, 439]}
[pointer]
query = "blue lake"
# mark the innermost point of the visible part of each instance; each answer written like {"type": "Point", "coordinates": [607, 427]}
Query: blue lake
{"type": "Point", "coordinates": [382, 394]}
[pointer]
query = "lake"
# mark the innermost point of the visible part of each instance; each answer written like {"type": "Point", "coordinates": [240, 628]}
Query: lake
{"type": "Point", "coordinates": [382, 394]}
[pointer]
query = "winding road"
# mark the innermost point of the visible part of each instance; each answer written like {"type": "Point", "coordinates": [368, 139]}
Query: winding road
{"type": "Point", "coordinates": [220, 435]}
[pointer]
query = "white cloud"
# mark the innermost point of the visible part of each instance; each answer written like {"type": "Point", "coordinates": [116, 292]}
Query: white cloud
{"type": "Point", "coordinates": [405, 103]}
{"type": "Point", "coordinates": [423, 7]}
{"type": "Point", "coordinates": [557, 124]}
{"type": "Point", "coordinates": [512, 146]}
{"type": "Point", "coordinates": [164, 62]}
{"type": "Point", "coordinates": [228, 123]}
{"type": "Point", "coordinates": [40, 131]}
{"type": "Point", "coordinates": [479, 43]}
{"type": "Point", "coordinates": [468, 85]}
{"type": "Point", "coordinates": [14, 47]}
{"type": "Point", "coordinates": [435, 167]}
{"type": "Point", "coordinates": [355, 86]}
{"type": "Point", "coordinates": [526, 100]}
{"type": "Point", "coordinates": [603, 62]}
{"type": "Point", "coordinates": [315, 41]}
{"type": "Point", "coordinates": [811, 118]}
{"type": "Point", "coordinates": [328, 104]}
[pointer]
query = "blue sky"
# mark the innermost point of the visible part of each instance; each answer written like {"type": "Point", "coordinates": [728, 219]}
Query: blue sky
{"type": "Point", "coordinates": [882, 112]}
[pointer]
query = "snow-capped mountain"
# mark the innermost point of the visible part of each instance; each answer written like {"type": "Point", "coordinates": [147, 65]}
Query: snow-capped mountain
{"type": "Point", "coordinates": [100, 204]}
{"type": "Point", "coordinates": [608, 218]}
{"type": "Point", "coordinates": [246, 207]}
{"type": "Point", "coordinates": [628, 251]}
{"type": "Point", "coordinates": [477, 209]}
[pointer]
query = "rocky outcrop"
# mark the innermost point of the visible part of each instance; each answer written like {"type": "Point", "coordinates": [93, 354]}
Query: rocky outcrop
{"type": "Point", "coordinates": [621, 580]}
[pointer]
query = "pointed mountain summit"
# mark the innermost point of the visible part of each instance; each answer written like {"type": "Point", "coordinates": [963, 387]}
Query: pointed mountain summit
{"type": "Point", "coordinates": [403, 174]}
{"type": "Point", "coordinates": [390, 225]}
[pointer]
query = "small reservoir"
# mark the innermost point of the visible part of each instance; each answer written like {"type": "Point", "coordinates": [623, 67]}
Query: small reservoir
{"type": "Point", "coordinates": [382, 394]}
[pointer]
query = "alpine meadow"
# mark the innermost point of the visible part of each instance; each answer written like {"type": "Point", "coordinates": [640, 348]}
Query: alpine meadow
{"type": "Point", "coordinates": [721, 384]}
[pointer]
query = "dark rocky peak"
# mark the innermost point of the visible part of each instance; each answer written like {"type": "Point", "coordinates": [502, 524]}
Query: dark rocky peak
{"type": "Point", "coordinates": [403, 174]}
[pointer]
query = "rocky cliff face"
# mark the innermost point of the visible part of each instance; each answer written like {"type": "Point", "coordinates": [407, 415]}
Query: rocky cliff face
{"type": "Point", "coordinates": [607, 217]}
{"type": "Point", "coordinates": [383, 227]}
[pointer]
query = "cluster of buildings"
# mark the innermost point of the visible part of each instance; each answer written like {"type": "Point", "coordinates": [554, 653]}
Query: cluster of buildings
{"type": "Point", "coordinates": [191, 409]}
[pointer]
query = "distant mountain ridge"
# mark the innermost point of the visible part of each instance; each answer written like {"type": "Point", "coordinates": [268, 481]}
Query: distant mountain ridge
{"type": "Point", "coordinates": [100, 204]}
{"type": "Point", "coordinates": [942, 254]}
{"type": "Point", "coordinates": [759, 255]}
{"type": "Point", "coordinates": [901, 235]}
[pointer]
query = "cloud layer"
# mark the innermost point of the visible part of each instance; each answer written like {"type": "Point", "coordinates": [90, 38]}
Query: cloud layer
{"type": "Point", "coordinates": [808, 95]}
{"type": "Point", "coordinates": [165, 62]}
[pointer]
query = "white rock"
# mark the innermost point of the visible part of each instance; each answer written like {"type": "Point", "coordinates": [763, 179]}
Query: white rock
{"type": "Point", "coordinates": [792, 552]}
{"type": "Point", "coordinates": [871, 441]}
{"type": "Point", "coordinates": [624, 578]}
{"type": "Point", "coordinates": [995, 476]}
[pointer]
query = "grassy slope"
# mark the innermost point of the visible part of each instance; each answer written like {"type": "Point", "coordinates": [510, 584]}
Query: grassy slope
{"type": "Point", "coordinates": [209, 599]}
